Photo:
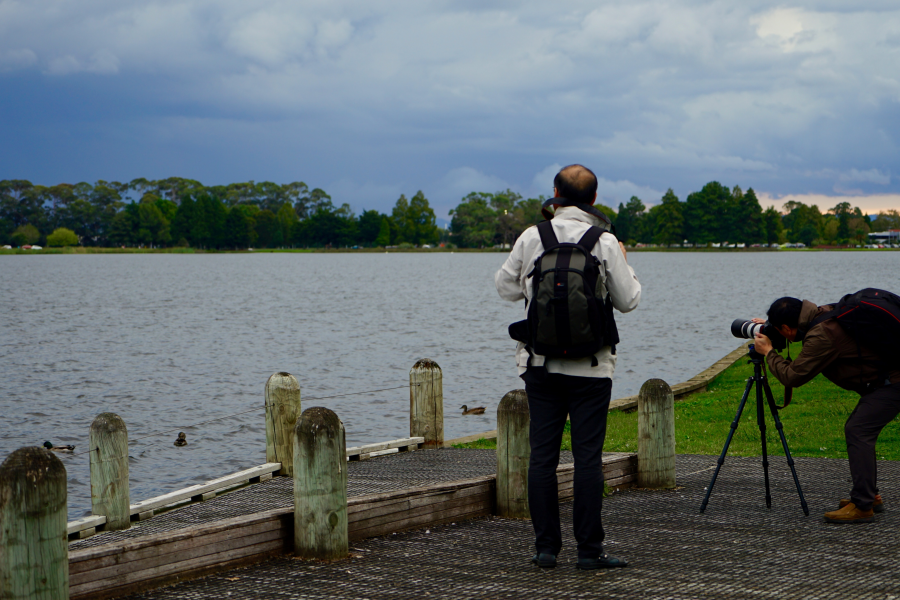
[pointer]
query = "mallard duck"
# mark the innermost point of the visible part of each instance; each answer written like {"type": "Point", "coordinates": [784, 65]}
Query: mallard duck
{"type": "Point", "coordinates": [66, 449]}
{"type": "Point", "coordinates": [182, 440]}
{"type": "Point", "coordinates": [472, 411]}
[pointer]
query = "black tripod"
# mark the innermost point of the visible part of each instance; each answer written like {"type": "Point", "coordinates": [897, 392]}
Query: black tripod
{"type": "Point", "coordinates": [762, 383]}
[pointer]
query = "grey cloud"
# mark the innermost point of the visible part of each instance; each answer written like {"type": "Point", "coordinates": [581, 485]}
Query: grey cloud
{"type": "Point", "coordinates": [656, 93]}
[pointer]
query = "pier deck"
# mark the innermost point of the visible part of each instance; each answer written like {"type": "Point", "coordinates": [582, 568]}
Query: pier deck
{"type": "Point", "coordinates": [738, 549]}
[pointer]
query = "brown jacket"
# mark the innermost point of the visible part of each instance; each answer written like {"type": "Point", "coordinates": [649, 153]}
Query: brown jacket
{"type": "Point", "coordinates": [829, 350]}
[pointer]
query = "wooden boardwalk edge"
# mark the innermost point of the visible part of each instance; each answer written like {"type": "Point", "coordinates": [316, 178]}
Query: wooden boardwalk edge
{"type": "Point", "coordinates": [135, 565]}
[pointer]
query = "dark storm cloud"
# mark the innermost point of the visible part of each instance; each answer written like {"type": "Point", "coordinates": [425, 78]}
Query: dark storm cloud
{"type": "Point", "coordinates": [371, 99]}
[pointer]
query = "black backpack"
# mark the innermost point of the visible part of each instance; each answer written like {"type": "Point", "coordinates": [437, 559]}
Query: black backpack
{"type": "Point", "coordinates": [566, 318]}
{"type": "Point", "coordinates": [872, 318]}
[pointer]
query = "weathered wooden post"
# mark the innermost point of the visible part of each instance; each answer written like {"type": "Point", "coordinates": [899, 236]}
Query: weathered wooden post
{"type": "Point", "coordinates": [320, 486]}
{"type": "Point", "coordinates": [656, 435]}
{"type": "Point", "coordinates": [34, 549]}
{"type": "Point", "coordinates": [109, 471]}
{"type": "Point", "coordinates": [513, 454]}
{"type": "Point", "coordinates": [282, 412]}
{"type": "Point", "coordinates": [426, 403]}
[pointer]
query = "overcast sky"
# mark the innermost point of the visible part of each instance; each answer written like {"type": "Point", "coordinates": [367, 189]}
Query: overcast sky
{"type": "Point", "coordinates": [372, 99]}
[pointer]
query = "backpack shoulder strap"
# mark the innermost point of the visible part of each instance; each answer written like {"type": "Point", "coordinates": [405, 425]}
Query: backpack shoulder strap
{"type": "Point", "coordinates": [548, 237]}
{"type": "Point", "coordinates": [590, 238]}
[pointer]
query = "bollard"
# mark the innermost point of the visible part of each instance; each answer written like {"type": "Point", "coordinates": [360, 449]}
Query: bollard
{"type": "Point", "coordinates": [320, 486]}
{"type": "Point", "coordinates": [282, 412]}
{"type": "Point", "coordinates": [656, 435]}
{"type": "Point", "coordinates": [426, 403]}
{"type": "Point", "coordinates": [513, 454]}
{"type": "Point", "coordinates": [34, 548]}
{"type": "Point", "coordinates": [109, 471]}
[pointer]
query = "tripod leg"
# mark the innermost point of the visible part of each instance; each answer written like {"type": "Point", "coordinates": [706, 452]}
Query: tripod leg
{"type": "Point", "coordinates": [761, 421]}
{"type": "Point", "coordinates": [784, 444]}
{"type": "Point", "coordinates": [734, 426]}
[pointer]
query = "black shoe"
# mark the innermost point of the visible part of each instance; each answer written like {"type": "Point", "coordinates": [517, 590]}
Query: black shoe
{"type": "Point", "coordinates": [604, 562]}
{"type": "Point", "coordinates": [544, 561]}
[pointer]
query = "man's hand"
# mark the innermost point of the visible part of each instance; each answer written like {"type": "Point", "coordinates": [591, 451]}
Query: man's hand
{"type": "Point", "coordinates": [759, 321]}
{"type": "Point", "coordinates": [624, 253]}
{"type": "Point", "coordinates": [762, 344]}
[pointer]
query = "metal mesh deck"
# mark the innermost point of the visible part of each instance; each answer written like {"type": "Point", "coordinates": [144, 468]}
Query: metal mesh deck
{"type": "Point", "coordinates": [738, 549]}
{"type": "Point", "coordinates": [392, 472]}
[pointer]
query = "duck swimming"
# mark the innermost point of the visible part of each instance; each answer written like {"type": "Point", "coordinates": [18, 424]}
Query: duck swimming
{"type": "Point", "coordinates": [182, 440]}
{"type": "Point", "coordinates": [472, 411]}
{"type": "Point", "coordinates": [66, 449]}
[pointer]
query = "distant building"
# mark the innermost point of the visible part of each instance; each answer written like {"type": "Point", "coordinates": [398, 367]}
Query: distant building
{"type": "Point", "coordinates": [891, 236]}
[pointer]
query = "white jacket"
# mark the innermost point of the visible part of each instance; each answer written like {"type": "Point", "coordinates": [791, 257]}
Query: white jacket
{"type": "Point", "coordinates": [616, 276]}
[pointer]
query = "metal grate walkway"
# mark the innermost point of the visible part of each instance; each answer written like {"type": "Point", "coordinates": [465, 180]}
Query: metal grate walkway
{"type": "Point", "coordinates": [738, 549]}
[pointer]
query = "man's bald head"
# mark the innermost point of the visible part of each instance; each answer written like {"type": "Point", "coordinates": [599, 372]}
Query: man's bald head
{"type": "Point", "coordinates": [577, 183]}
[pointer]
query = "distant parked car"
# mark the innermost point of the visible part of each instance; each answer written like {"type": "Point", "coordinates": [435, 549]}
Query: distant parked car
{"type": "Point", "coordinates": [35, 247]}
{"type": "Point", "coordinates": [7, 247]}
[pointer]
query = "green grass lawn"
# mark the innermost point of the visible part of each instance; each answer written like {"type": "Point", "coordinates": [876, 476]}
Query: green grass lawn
{"type": "Point", "coordinates": [813, 423]}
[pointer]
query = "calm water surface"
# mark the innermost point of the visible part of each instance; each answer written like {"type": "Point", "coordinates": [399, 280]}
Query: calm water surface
{"type": "Point", "coordinates": [170, 340]}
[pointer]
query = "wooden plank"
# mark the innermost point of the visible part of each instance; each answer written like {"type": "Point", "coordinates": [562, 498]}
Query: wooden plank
{"type": "Point", "coordinates": [400, 511]}
{"type": "Point", "coordinates": [88, 590]}
{"type": "Point", "coordinates": [155, 539]}
{"type": "Point", "coordinates": [162, 546]}
{"type": "Point", "coordinates": [166, 556]}
{"type": "Point", "coordinates": [137, 587]}
{"type": "Point", "coordinates": [199, 489]}
{"type": "Point", "coordinates": [437, 487]}
{"type": "Point", "coordinates": [85, 523]}
{"type": "Point", "coordinates": [369, 448]}
{"type": "Point", "coordinates": [366, 511]}
{"type": "Point", "coordinates": [424, 520]}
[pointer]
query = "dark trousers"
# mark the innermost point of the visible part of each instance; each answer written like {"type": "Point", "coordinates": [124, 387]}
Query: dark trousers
{"type": "Point", "coordinates": [586, 400]}
{"type": "Point", "coordinates": [874, 411]}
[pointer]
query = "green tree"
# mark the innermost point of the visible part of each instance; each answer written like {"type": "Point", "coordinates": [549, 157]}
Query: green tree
{"type": "Point", "coordinates": [240, 230]}
{"type": "Point", "coordinates": [62, 237]}
{"type": "Point", "coordinates": [802, 222]}
{"type": "Point", "coordinates": [370, 222]}
{"type": "Point", "coordinates": [472, 222]}
{"type": "Point", "coordinates": [384, 233]}
{"type": "Point", "coordinates": [287, 219]}
{"type": "Point", "coordinates": [668, 220]}
{"type": "Point", "coordinates": [774, 227]}
{"type": "Point", "coordinates": [630, 220]}
{"type": "Point", "coordinates": [706, 214]}
{"type": "Point", "coordinates": [747, 219]}
{"type": "Point", "coordinates": [888, 219]}
{"type": "Point", "coordinates": [26, 234]}
{"type": "Point", "coordinates": [152, 225]}
{"type": "Point", "coordinates": [267, 226]}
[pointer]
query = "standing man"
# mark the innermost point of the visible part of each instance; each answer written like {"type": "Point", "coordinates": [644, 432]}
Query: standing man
{"type": "Point", "coordinates": [560, 387]}
{"type": "Point", "coordinates": [831, 351]}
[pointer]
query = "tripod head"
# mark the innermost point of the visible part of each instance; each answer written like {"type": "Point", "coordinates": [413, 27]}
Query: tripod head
{"type": "Point", "coordinates": [755, 357]}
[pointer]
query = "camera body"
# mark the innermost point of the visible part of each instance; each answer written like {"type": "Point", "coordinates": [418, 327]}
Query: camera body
{"type": "Point", "coordinates": [747, 329]}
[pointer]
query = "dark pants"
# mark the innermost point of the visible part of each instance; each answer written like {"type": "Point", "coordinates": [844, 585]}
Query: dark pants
{"type": "Point", "coordinates": [874, 411]}
{"type": "Point", "coordinates": [586, 400]}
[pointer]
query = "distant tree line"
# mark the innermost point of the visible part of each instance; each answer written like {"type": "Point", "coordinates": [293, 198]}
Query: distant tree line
{"type": "Point", "coordinates": [183, 212]}
{"type": "Point", "coordinates": [715, 214]}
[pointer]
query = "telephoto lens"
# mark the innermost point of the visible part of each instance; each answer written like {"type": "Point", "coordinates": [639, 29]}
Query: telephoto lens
{"type": "Point", "coordinates": [744, 328]}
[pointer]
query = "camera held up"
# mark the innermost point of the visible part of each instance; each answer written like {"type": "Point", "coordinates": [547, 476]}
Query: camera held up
{"type": "Point", "coordinates": [747, 329]}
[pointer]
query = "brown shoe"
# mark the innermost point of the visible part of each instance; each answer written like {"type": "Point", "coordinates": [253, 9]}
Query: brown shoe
{"type": "Point", "coordinates": [877, 506]}
{"type": "Point", "coordinates": [849, 514]}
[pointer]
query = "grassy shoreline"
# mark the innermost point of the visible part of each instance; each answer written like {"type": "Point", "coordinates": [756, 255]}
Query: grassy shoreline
{"type": "Point", "coordinates": [813, 423]}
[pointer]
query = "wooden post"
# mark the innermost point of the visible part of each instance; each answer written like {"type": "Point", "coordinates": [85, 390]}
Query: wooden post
{"type": "Point", "coordinates": [426, 403]}
{"type": "Point", "coordinates": [34, 547]}
{"type": "Point", "coordinates": [282, 412]}
{"type": "Point", "coordinates": [513, 455]}
{"type": "Point", "coordinates": [320, 486]}
{"type": "Point", "coordinates": [656, 435]}
{"type": "Point", "coordinates": [109, 471]}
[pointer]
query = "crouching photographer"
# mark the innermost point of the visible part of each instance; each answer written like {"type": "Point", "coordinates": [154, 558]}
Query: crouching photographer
{"type": "Point", "coordinates": [852, 343]}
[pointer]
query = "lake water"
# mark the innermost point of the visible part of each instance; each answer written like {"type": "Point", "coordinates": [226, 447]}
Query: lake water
{"type": "Point", "coordinates": [170, 340]}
